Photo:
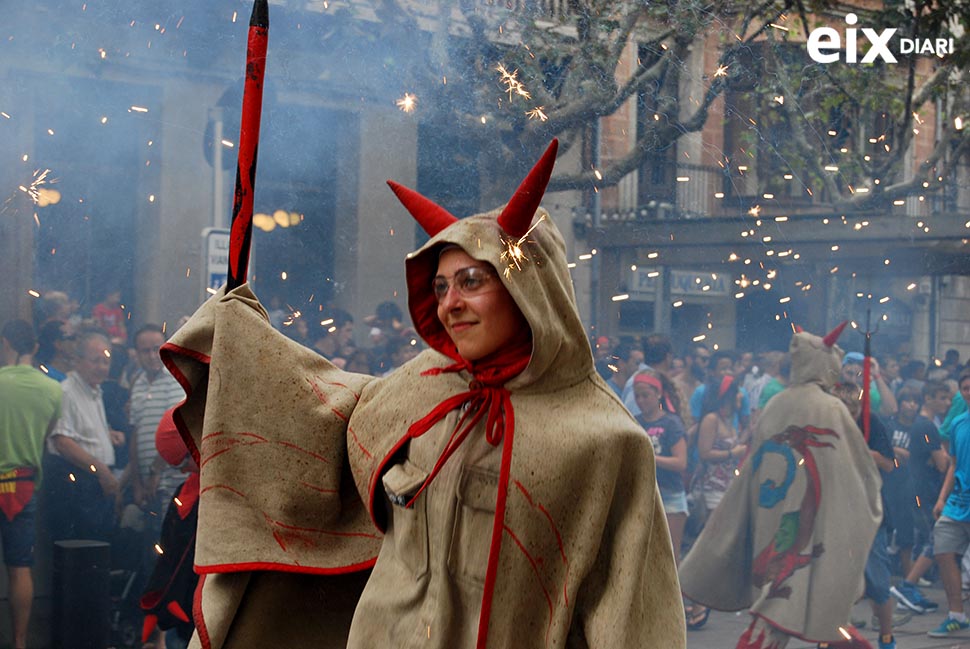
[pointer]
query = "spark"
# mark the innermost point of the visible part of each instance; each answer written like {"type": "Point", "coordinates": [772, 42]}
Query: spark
{"type": "Point", "coordinates": [721, 71]}
{"type": "Point", "coordinates": [512, 84]}
{"type": "Point", "coordinates": [158, 549]}
{"type": "Point", "coordinates": [536, 113]}
{"type": "Point", "coordinates": [5, 115]}
{"type": "Point", "coordinates": [621, 297]}
{"type": "Point", "coordinates": [407, 102]}
{"type": "Point", "coordinates": [755, 211]}
{"type": "Point", "coordinates": [33, 189]}
{"type": "Point", "coordinates": [513, 255]}
{"type": "Point", "coordinates": [32, 293]}
{"type": "Point", "coordinates": [139, 109]}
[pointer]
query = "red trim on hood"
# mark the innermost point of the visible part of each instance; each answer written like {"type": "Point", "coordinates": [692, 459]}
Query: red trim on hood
{"type": "Point", "coordinates": [423, 306]}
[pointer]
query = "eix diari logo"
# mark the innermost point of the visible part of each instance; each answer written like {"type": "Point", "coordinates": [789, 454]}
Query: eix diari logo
{"type": "Point", "coordinates": [825, 44]}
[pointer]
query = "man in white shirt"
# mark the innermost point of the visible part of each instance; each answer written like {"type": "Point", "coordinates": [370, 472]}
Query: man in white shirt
{"type": "Point", "coordinates": [81, 449]}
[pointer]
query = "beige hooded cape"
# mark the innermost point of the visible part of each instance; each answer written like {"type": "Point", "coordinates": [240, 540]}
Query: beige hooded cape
{"type": "Point", "coordinates": [791, 537]}
{"type": "Point", "coordinates": [582, 558]}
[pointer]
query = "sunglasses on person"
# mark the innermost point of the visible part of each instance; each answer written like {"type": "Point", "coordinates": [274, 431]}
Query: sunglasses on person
{"type": "Point", "coordinates": [468, 282]}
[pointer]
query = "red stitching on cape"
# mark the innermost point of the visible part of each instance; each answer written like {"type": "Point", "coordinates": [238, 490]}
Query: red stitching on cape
{"type": "Point", "coordinates": [535, 569]}
{"type": "Point", "coordinates": [303, 450]}
{"type": "Point", "coordinates": [233, 444]}
{"type": "Point", "coordinates": [359, 445]}
{"type": "Point", "coordinates": [243, 434]}
{"type": "Point", "coordinates": [223, 486]}
{"type": "Point", "coordinates": [341, 385]}
{"type": "Point", "coordinates": [279, 539]}
{"type": "Point", "coordinates": [317, 391]}
{"type": "Point", "coordinates": [555, 530]}
{"type": "Point", "coordinates": [295, 528]}
{"type": "Point", "coordinates": [340, 414]}
{"type": "Point", "coordinates": [320, 489]}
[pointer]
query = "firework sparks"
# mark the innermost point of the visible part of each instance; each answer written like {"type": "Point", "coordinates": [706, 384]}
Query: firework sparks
{"type": "Point", "coordinates": [721, 71]}
{"type": "Point", "coordinates": [34, 189]}
{"type": "Point", "coordinates": [512, 84]}
{"type": "Point", "coordinates": [513, 255]}
{"type": "Point", "coordinates": [536, 113]}
{"type": "Point", "coordinates": [407, 102]}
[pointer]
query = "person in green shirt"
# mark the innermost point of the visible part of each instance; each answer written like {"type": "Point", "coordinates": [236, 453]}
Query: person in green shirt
{"type": "Point", "coordinates": [30, 404]}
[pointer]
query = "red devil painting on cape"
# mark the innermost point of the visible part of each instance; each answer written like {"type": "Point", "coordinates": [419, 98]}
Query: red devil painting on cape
{"type": "Point", "coordinates": [508, 497]}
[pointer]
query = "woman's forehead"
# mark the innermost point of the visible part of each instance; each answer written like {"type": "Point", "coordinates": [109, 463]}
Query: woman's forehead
{"type": "Point", "coordinates": [453, 259]}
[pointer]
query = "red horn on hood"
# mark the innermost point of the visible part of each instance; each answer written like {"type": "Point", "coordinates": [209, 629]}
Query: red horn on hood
{"type": "Point", "coordinates": [429, 215]}
{"type": "Point", "coordinates": [517, 215]}
{"type": "Point", "coordinates": [832, 336]}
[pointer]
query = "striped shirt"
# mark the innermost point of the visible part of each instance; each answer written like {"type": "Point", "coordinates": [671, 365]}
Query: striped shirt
{"type": "Point", "coordinates": [149, 401]}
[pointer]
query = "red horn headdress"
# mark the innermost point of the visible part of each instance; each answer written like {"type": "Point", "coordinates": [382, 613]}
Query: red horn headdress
{"type": "Point", "coordinates": [832, 336]}
{"type": "Point", "coordinates": [517, 215]}
{"type": "Point", "coordinates": [429, 215]}
{"type": "Point", "coordinates": [514, 219]}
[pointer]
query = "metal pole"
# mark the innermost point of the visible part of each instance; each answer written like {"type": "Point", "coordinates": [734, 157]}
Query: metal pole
{"type": "Point", "coordinates": [220, 217]}
{"type": "Point", "coordinates": [594, 278]}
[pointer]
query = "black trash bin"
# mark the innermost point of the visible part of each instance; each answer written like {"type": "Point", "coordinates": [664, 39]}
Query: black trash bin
{"type": "Point", "coordinates": [81, 597]}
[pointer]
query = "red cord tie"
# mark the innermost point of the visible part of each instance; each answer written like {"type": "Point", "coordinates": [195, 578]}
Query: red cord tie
{"type": "Point", "coordinates": [485, 398]}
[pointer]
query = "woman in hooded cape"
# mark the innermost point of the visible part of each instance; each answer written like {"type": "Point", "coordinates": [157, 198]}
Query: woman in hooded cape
{"type": "Point", "coordinates": [497, 500]}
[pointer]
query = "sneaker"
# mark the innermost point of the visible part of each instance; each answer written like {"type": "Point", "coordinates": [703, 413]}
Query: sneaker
{"type": "Point", "coordinates": [928, 606]}
{"type": "Point", "coordinates": [948, 627]}
{"type": "Point", "coordinates": [888, 645]}
{"type": "Point", "coordinates": [924, 583]}
{"type": "Point", "coordinates": [909, 596]}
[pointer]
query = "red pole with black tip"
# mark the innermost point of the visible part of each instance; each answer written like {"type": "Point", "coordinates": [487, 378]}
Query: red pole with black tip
{"type": "Point", "coordinates": [241, 232]}
{"type": "Point", "coordinates": [867, 378]}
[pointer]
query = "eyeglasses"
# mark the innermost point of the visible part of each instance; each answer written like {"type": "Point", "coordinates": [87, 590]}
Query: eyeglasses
{"type": "Point", "coordinates": [467, 281]}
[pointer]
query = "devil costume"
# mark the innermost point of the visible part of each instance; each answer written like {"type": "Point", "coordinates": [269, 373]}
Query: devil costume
{"type": "Point", "coordinates": [509, 502]}
{"type": "Point", "coordinates": [791, 536]}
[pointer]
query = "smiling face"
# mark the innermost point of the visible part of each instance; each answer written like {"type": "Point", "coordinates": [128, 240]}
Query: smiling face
{"type": "Point", "coordinates": [476, 310]}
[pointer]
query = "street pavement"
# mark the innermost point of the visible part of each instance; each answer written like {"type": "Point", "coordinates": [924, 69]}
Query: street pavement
{"type": "Point", "coordinates": [723, 629]}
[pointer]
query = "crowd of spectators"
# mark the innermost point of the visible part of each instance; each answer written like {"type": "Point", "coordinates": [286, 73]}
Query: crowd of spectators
{"type": "Point", "coordinates": [701, 406]}
{"type": "Point", "coordinates": [102, 474]}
